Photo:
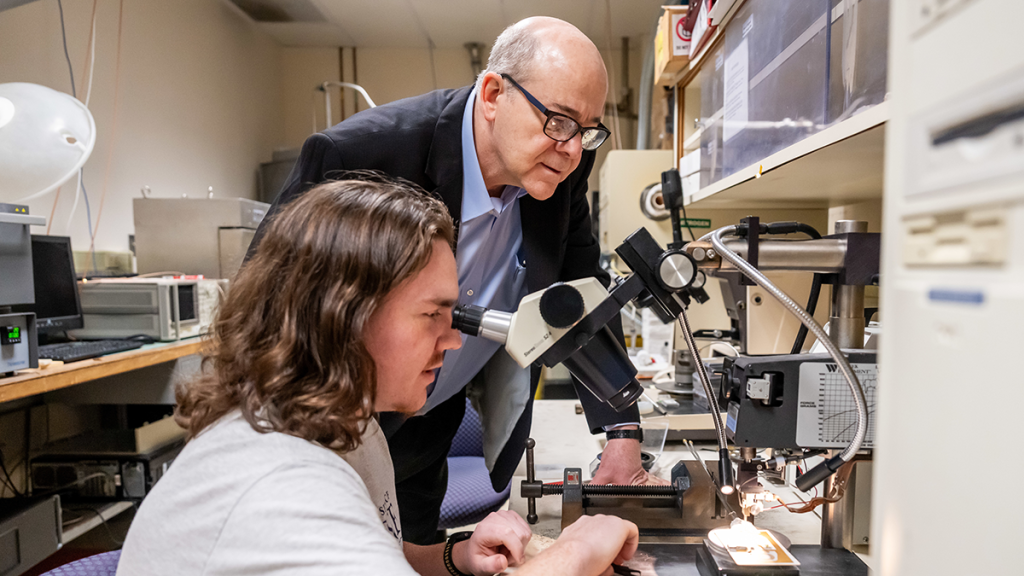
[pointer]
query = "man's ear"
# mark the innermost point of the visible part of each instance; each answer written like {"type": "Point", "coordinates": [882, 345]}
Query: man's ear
{"type": "Point", "coordinates": [491, 88]}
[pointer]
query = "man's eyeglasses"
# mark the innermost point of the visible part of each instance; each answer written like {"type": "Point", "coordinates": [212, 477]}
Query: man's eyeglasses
{"type": "Point", "coordinates": [562, 128]}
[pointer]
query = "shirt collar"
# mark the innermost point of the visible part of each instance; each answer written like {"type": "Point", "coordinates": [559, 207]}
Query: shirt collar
{"type": "Point", "coordinates": [475, 199]}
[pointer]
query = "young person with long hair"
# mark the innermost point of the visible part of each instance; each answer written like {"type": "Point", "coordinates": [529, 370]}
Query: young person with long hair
{"type": "Point", "coordinates": [344, 311]}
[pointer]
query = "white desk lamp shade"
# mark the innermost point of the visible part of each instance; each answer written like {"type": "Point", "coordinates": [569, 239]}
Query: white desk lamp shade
{"type": "Point", "coordinates": [45, 137]}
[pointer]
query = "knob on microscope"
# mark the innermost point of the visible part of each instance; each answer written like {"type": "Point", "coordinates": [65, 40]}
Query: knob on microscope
{"type": "Point", "coordinates": [561, 306]}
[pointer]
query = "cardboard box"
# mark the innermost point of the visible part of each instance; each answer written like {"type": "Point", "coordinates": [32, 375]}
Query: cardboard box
{"type": "Point", "coordinates": [671, 45]}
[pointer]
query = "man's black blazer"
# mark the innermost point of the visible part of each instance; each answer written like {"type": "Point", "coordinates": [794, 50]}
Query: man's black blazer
{"type": "Point", "coordinates": [420, 139]}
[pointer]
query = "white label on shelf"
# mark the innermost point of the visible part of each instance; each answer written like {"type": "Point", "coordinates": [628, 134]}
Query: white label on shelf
{"type": "Point", "coordinates": [736, 80]}
{"type": "Point", "coordinates": [748, 25]}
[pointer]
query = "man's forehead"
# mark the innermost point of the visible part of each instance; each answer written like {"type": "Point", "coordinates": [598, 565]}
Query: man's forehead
{"type": "Point", "coordinates": [574, 113]}
{"type": "Point", "coordinates": [573, 84]}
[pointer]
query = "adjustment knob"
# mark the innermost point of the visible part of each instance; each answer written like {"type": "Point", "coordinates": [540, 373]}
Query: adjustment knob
{"type": "Point", "coordinates": [676, 270]}
{"type": "Point", "coordinates": [699, 280]}
{"type": "Point", "coordinates": [561, 306]}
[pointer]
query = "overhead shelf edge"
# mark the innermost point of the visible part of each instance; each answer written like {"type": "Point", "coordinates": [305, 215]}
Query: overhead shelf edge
{"type": "Point", "coordinates": [863, 164]}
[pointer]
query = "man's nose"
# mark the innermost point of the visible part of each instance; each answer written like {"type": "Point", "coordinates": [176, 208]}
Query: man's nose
{"type": "Point", "coordinates": [451, 339]}
{"type": "Point", "coordinates": [573, 146]}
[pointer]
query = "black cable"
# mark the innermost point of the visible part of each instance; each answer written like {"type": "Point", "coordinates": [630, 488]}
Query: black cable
{"type": "Point", "coordinates": [682, 205]}
{"type": "Point", "coordinates": [812, 304]}
{"type": "Point", "coordinates": [8, 481]}
{"type": "Point", "coordinates": [812, 298]}
{"type": "Point", "coordinates": [64, 36]}
{"type": "Point", "coordinates": [106, 525]}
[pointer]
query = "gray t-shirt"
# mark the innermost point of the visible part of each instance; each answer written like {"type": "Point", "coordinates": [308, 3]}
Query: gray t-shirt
{"type": "Point", "coordinates": [236, 501]}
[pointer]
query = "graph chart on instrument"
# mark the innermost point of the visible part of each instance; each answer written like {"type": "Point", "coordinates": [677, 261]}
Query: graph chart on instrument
{"type": "Point", "coordinates": [827, 416]}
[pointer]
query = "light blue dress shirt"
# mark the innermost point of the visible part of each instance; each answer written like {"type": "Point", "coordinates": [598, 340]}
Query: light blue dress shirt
{"type": "Point", "coordinates": [491, 267]}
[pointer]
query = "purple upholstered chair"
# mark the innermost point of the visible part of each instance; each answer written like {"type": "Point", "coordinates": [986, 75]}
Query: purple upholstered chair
{"type": "Point", "coordinates": [470, 497]}
{"type": "Point", "coordinates": [104, 564]}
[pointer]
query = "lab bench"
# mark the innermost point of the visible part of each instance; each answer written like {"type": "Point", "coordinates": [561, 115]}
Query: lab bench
{"type": "Point", "coordinates": [143, 376]}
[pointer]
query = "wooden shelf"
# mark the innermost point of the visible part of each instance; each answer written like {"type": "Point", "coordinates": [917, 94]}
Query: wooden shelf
{"type": "Point", "coordinates": [842, 164]}
{"type": "Point", "coordinates": [30, 383]}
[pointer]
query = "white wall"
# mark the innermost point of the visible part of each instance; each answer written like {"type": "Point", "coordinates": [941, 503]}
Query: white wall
{"type": "Point", "coordinates": [390, 74]}
{"type": "Point", "coordinates": [303, 69]}
{"type": "Point", "coordinates": [200, 101]}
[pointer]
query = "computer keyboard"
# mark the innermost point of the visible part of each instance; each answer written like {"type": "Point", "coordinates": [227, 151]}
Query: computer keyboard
{"type": "Point", "coordinates": [71, 351]}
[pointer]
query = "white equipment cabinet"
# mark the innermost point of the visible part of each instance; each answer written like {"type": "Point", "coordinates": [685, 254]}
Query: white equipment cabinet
{"type": "Point", "coordinates": [952, 292]}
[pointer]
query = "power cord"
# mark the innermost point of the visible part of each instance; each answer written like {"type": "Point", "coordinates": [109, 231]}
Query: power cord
{"type": "Point", "coordinates": [103, 520]}
{"type": "Point", "coordinates": [8, 481]}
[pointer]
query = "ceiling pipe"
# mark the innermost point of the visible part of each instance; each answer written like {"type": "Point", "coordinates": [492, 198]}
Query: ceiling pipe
{"type": "Point", "coordinates": [476, 62]}
{"type": "Point", "coordinates": [625, 104]}
{"type": "Point", "coordinates": [643, 129]}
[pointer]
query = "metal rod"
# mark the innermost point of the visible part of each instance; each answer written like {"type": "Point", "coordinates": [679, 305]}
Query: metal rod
{"type": "Point", "coordinates": [824, 256]}
{"type": "Point", "coordinates": [326, 86]}
{"type": "Point", "coordinates": [615, 490]}
{"type": "Point", "coordinates": [846, 324]}
{"type": "Point", "coordinates": [531, 503]}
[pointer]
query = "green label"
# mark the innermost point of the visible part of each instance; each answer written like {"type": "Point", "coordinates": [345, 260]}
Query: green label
{"type": "Point", "coordinates": [695, 222]}
{"type": "Point", "coordinates": [15, 332]}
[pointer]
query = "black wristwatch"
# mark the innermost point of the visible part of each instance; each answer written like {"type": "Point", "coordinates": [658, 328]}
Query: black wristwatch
{"type": "Point", "coordinates": [637, 434]}
{"type": "Point", "coordinates": [448, 562]}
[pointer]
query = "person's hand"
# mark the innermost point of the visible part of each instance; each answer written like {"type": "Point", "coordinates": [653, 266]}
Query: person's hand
{"type": "Point", "coordinates": [597, 542]}
{"type": "Point", "coordinates": [620, 464]}
{"type": "Point", "coordinates": [497, 543]}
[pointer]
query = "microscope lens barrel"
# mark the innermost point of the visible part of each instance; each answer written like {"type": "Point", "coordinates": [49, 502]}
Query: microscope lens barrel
{"type": "Point", "coordinates": [603, 366]}
{"type": "Point", "coordinates": [495, 325]}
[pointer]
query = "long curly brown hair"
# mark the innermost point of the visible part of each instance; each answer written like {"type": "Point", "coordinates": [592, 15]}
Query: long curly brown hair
{"type": "Point", "coordinates": [287, 345]}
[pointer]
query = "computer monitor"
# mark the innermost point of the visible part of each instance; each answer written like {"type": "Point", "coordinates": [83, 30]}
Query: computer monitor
{"type": "Point", "coordinates": [57, 306]}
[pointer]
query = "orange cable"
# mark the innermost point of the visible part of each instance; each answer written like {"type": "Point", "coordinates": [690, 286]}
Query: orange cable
{"type": "Point", "coordinates": [113, 129]}
{"type": "Point", "coordinates": [52, 211]}
{"type": "Point", "coordinates": [88, 52]}
{"type": "Point", "coordinates": [85, 66]}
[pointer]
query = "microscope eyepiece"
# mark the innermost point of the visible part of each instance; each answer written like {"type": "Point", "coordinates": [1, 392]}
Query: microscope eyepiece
{"type": "Point", "coordinates": [467, 318]}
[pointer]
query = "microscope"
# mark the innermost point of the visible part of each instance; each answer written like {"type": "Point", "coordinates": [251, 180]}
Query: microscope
{"type": "Point", "coordinates": [567, 322]}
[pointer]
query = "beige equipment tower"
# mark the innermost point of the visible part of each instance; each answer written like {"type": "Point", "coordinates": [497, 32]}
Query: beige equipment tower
{"type": "Point", "coordinates": [952, 292]}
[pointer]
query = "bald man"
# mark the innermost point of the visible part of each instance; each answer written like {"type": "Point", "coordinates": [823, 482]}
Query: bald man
{"type": "Point", "coordinates": [509, 157]}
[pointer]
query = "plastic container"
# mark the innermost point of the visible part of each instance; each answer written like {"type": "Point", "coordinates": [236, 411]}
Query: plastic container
{"type": "Point", "coordinates": [859, 55]}
{"type": "Point", "coordinates": [711, 101]}
{"type": "Point", "coordinates": [779, 51]}
{"type": "Point", "coordinates": [788, 69]}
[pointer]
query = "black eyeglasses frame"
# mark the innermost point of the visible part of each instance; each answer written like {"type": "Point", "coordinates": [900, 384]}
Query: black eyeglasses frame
{"type": "Point", "coordinates": [549, 114]}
